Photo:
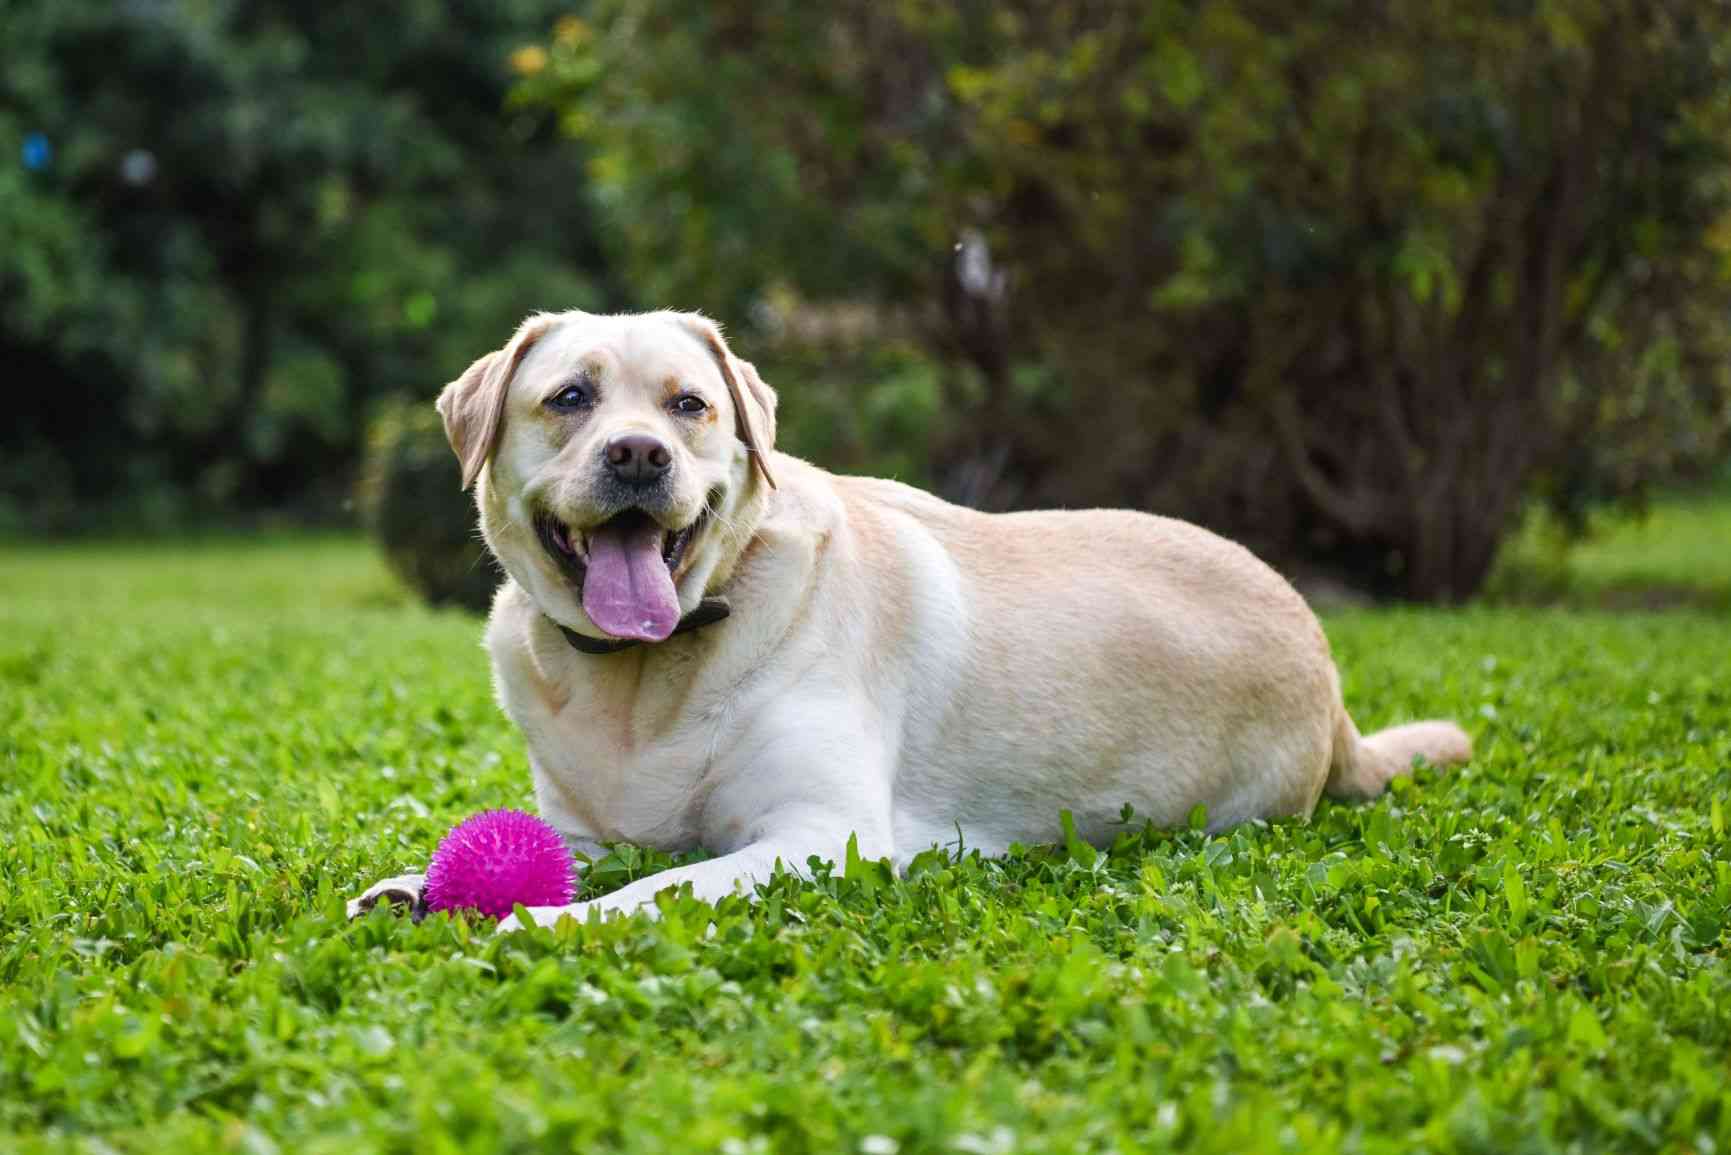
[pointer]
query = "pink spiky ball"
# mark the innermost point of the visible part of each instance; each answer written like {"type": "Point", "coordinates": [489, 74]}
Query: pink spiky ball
{"type": "Point", "coordinates": [498, 858]}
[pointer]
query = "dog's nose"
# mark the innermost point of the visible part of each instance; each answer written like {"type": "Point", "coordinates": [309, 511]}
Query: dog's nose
{"type": "Point", "coordinates": [637, 458]}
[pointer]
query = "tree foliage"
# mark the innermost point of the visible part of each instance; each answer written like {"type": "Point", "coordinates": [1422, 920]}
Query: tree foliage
{"type": "Point", "coordinates": [1349, 280]}
{"type": "Point", "coordinates": [240, 223]}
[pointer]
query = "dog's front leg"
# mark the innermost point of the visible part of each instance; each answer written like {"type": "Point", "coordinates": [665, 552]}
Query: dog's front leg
{"type": "Point", "coordinates": [405, 892]}
{"type": "Point", "coordinates": [790, 837]}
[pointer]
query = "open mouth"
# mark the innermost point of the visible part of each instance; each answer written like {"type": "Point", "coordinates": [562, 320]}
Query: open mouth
{"type": "Point", "coordinates": [571, 546]}
{"type": "Point", "coordinates": [624, 570]}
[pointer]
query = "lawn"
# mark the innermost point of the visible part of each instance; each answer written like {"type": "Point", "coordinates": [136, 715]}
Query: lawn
{"type": "Point", "coordinates": [205, 748]}
{"type": "Point", "coordinates": [1677, 553]}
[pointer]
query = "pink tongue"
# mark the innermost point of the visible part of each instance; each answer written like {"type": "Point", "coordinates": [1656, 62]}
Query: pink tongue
{"type": "Point", "coordinates": [628, 592]}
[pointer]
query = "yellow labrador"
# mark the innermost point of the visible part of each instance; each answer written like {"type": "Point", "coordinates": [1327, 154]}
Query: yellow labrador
{"type": "Point", "coordinates": [710, 644]}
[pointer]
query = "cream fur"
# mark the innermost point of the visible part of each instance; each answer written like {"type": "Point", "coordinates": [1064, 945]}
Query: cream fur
{"type": "Point", "coordinates": [896, 668]}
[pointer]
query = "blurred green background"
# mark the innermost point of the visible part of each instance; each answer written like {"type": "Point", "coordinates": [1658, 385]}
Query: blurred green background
{"type": "Point", "coordinates": [1388, 291]}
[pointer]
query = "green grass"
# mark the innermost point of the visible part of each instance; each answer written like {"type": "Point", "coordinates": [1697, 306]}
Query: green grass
{"type": "Point", "coordinates": [1676, 554]}
{"type": "Point", "coordinates": [204, 750]}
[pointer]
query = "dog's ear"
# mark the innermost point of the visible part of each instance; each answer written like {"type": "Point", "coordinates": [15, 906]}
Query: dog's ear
{"type": "Point", "coordinates": [753, 401]}
{"type": "Point", "coordinates": [473, 405]}
{"type": "Point", "coordinates": [761, 401]}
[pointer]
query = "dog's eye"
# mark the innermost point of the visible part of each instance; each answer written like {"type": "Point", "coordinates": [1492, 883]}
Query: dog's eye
{"type": "Point", "coordinates": [688, 403]}
{"type": "Point", "coordinates": [573, 396]}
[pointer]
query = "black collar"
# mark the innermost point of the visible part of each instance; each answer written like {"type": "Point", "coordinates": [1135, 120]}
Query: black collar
{"type": "Point", "coordinates": [708, 612]}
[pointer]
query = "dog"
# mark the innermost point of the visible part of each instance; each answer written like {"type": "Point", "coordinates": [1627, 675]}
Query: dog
{"type": "Point", "coordinates": [710, 644]}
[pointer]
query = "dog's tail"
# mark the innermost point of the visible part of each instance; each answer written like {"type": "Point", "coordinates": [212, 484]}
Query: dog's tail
{"type": "Point", "coordinates": [1362, 766]}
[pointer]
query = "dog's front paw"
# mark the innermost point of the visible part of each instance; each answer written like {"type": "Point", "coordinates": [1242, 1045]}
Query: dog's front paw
{"type": "Point", "coordinates": [543, 916]}
{"type": "Point", "coordinates": [404, 892]}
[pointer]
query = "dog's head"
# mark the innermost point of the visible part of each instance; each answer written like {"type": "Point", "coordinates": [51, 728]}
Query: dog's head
{"type": "Point", "coordinates": [620, 464]}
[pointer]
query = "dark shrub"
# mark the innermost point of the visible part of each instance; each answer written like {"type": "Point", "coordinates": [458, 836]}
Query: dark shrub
{"type": "Point", "coordinates": [1354, 283]}
{"type": "Point", "coordinates": [412, 501]}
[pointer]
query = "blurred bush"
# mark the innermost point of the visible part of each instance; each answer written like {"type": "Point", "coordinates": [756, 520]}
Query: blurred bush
{"type": "Point", "coordinates": [1349, 281]}
{"type": "Point", "coordinates": [410, 500]}
{"type": "Point", "coordinates": [1355, 283]}
{"type": "Point", "coordinates": [227, 228]}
